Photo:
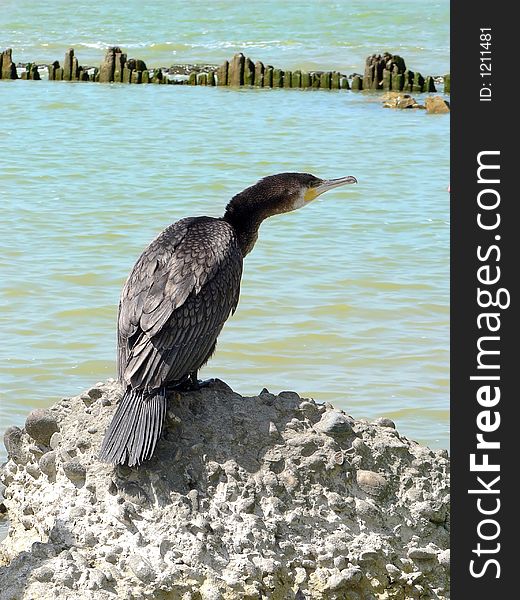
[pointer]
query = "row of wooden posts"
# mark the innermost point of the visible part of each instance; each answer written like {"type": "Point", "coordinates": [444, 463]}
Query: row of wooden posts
{"type": "Point", "coordinates": [385, 72]}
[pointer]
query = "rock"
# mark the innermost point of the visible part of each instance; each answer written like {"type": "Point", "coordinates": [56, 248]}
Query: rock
{"type": "Point", "coordinates": [47, 464]}
{"type": "Point", "coordinates": [384, 422]}
{"type": "Point", "coordinates": [426, 553]}
{"type": "Point", "coordinates": [141, 568]}
{"type": "Point", "coordinates": [95, 393]}
{"type": "Point", "coordinates": [40, 425]}
{"type": "Point", "coordinates": [334, 423]}
{"type": "Point", "coordinates": [55, 441]}
{"type": "Point", "coordinates": [444, 558]}
{"type": "Point", "coordinates": [43, 574]}
{"type": "Point", "coordinates": [372, 483]}
{"type": "Point", "coordinates": [225, 506]}
{"type": "Point", "coordinates": [393, 571]}
{"type": "Point", "coordinates": [400, 100]}
{"type": "Point", "coordinates": [75, 471]}
{"type": "Point", "coordinates": [13, 440]}
{"type": "Point", "coordinates": [436, 105]}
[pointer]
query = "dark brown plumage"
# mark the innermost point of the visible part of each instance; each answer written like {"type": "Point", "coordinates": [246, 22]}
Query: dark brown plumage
{"type": "Point", "coordinates": [176, 300]}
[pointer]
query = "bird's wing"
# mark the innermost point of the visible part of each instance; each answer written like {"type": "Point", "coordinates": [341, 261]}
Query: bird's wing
{"type": "Point", "coordinates": [176, 300]}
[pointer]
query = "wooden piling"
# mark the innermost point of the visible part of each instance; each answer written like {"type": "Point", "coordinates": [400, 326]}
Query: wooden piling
{"type": "Point", "coordinates": [296, 81]}
{"type": "Point", "coordinates": [357, 83]}
{"type": "Point", "coordinates": [277, 78]}
{"type": "Point", "coordinates": [447, 83]}
{"type": "Point", "coordinates": [222, 74]}
{"type": "Point", "coordinates": [236, 70]}
{"type": "Point", "coordinates": [429, 84]}
{"type": "Point", "coordinates": [268, 76]}
{"type": "Point", "coordinates": [259, 74]}
{"type": "Point", "coordinates": [418, 83]}
{"type": "Point", "coordinates": [7, 66]}
{"type": "Point", "coordinates": [249, 72]}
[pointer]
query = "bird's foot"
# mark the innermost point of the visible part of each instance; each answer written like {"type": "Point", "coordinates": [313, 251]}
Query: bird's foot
{"type": "Point", "coordinates": [190, 384]}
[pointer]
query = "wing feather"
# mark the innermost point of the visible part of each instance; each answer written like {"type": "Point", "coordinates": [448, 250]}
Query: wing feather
{"type": "Point", "coordinates": [176, 300]}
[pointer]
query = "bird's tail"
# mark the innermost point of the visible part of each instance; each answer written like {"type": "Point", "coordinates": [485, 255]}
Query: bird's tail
{"type": "Point", "coordinates": [135, 428]}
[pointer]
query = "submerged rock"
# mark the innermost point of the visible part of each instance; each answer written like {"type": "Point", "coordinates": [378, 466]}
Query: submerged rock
{"type": "Point", "coordinates": [246, 497]}
{"type": "Point", "coordinates": [436, 104]}
{"type": "Point", "coordinates": [400, 100]}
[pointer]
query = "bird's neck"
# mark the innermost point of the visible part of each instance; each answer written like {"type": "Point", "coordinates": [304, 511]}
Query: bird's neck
{"type": "Point", "coordinates": [245, 218]}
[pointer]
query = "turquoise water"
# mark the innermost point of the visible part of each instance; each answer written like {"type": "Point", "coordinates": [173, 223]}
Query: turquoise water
{"type": "Point", "coordinates": [306, 34]}
{"type": "Point", "coordinates": [346, 301]}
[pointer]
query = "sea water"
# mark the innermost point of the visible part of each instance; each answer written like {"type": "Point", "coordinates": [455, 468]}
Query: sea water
{"type": "Point", "coordinates": [346, 300]}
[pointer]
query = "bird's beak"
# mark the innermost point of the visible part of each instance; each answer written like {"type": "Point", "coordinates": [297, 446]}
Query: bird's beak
{"type": "Point", "coordinates": [328, 184]}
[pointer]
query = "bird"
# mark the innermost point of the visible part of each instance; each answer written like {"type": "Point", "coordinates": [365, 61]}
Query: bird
{"type": "Point", "coordinates": [174, 304]}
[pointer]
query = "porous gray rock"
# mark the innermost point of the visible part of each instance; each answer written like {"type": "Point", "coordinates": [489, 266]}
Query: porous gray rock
{"type": "Point", "coordinates": [40, 425]}
{"type": "Point", "coordinates": [271, 496]}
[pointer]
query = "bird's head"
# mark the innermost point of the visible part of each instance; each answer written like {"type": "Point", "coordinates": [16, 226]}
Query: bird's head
{"type": "Point", "coordinates": [283, 193]}
{"type": "Point", "coordinates": [274, 195]}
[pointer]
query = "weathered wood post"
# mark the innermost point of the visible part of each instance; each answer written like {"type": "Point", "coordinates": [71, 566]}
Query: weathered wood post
{"type": "Point", "coordinates": [236, 70]}
{"type": "Point", "coordinates": [249, 72]}
{"type": "Point", "coordinates": [259, 74]}
{"type": "Point", "coordinates": [7, 66]}
{"type": "Point", "coordinates": [357, 83]}
{"type": "Point", "coordinates": [107, 68]}
{"type": "Point", "coordinates": [222, 73]}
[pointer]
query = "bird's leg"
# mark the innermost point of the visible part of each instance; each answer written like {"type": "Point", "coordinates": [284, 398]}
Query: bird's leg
{"type": "Point", "coordinates": [189, 384]}
{"type": "Point", "coordinates": [196, 383]}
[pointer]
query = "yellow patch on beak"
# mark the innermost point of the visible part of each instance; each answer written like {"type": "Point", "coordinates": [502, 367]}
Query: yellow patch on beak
{"type": "Point", "coordinates": [310, 194]}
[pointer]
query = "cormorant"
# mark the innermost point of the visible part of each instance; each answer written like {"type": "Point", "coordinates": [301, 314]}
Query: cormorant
{"type": "Point", "coordinates": [176, 300]}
